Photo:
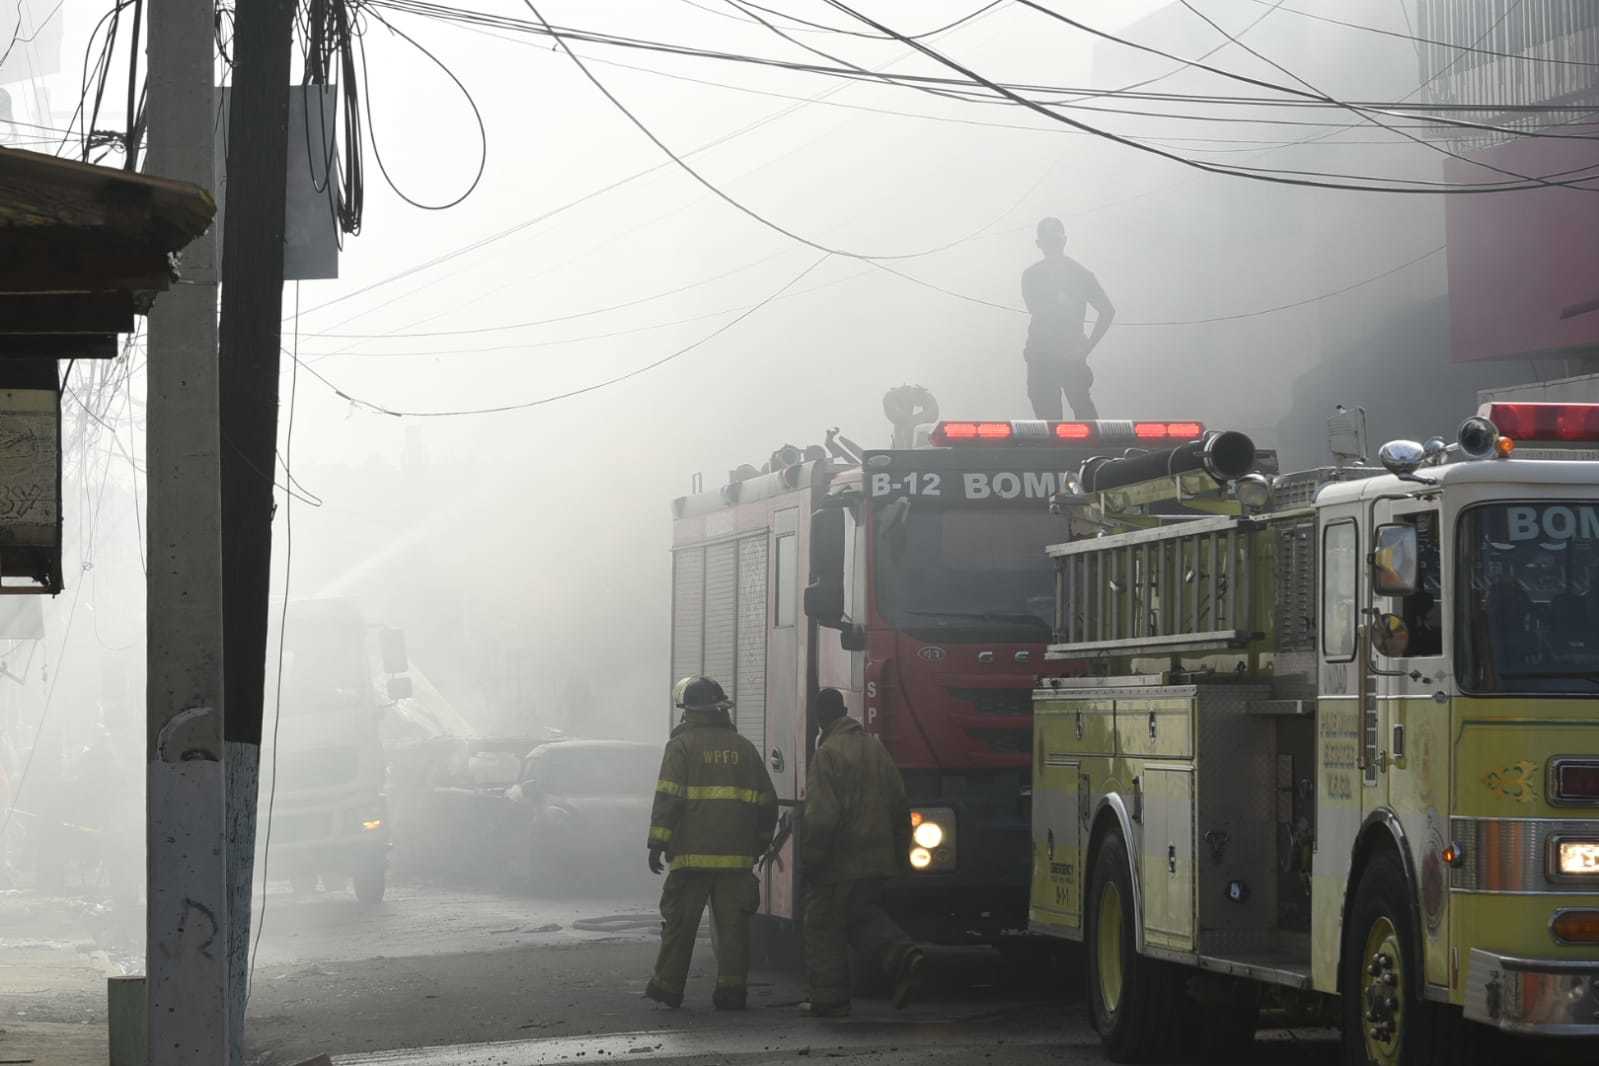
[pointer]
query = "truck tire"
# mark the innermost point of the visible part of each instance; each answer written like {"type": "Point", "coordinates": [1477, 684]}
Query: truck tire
{"type": "Point", "coordinates": [370, 879]}
{"type": "Point", "coordinates": [1387, 1021]}
{"type": "Point", "coordinates": [1132, 1000]}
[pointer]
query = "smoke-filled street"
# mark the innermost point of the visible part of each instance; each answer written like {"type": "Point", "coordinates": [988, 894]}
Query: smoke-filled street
{"type": "Point", "coordinates": [433, 973]}
{"type": "Point", "coordinates": [754, 531]}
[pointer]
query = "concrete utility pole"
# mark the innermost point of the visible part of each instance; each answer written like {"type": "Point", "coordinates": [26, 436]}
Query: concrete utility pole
{"type": "Point", "coordinates": [186, 864]}
{"type": "Point", "coordinates": [252, 331]}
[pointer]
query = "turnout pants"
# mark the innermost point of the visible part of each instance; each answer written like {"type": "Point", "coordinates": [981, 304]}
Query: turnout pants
{"type": "Point", "coordinates": [1050, 375]}
{"type": "Point", "coordinates": [840, 916]}
{"type": "Point", "coordinates": [734, 897]}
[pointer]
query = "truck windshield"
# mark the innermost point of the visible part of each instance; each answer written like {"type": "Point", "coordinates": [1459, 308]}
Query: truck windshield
{"type": "Point", "coordinates": [976, 569]}
{"type": "Point", "coordinates": [1527, 614]}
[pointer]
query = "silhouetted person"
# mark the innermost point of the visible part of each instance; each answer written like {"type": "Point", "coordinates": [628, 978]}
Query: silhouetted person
{"type": "Point", "coordinates": [1058, 291]}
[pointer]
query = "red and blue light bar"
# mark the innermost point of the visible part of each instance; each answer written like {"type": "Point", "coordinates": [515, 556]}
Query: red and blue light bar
{"type": "Point", "coordinates": [950, 433]}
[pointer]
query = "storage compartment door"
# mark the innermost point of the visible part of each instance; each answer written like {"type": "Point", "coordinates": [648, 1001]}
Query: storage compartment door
{"type": "Point", "coordinates": [1058, 788]}
{"type": "Point", "coordinates": [1167, 854]}
{"type": "Point", "coordinates": [1157, 728]}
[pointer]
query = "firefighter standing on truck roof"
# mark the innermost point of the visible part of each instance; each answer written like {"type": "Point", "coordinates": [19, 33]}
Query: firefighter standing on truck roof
{"type": "Point", "coordinates": [714, 811]}
{"type": "Point", "coordinates": [1058, 290]}
{"type": "Point", "coordinates": [855, 834]}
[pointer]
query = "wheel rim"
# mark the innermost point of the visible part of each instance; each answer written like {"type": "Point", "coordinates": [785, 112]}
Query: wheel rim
{"type": "Point", "coordinates": [1382, 999]}
{"type": "Point", "coordinates": [1109, 946]}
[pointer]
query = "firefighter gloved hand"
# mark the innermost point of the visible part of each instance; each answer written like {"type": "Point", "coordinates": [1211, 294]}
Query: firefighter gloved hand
{"type": "Point", "coordinates": [657, 854]}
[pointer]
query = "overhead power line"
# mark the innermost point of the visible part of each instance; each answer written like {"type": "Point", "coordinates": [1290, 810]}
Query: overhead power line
{"type": "Point", "coordinates": [784, 290]}
{"type": "Point", "coordinates": [1434, 42]}
{"type": "Point", "coordinates": [1277, 308]}
{"type": "Point", "coordinates": [1259, 312]}
{"type": "Point", "coordinates": [817, 27]}
{"type": "Point", "coordinates": [1308, 92]}
{"type": "Point", "coordinates": [1308, 179]}
{"type": "Point", "coordinates": [441, 12]}
{"type": "Point", "coordinates": [712, 187]}
{"type": "Point", "coordinates": [528, 346]}
{"type": "Point", "coordinates": [553, 319]}
{"type": "Point", "coordinates": [578, 201]}
{"type": "Point", "coordinates": [1369, 116]}
{"type": "Point", "coordinates": [570, 393]}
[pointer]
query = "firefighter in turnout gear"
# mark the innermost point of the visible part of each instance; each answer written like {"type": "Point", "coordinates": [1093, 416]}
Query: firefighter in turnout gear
{"type": "Point", "coordinates": [715, 808]}
{"type": "Point", "coordinates": [855, 834]}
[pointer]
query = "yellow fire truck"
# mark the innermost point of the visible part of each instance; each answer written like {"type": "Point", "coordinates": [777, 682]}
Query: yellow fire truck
{"type": "Point", "coordinates": [1340, 736]}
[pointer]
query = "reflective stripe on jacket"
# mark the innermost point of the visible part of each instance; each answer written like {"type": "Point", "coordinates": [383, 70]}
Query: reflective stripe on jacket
{"type": "Point", "coordinates": [715, 806]}
{"type": "Point", "coordinates": [857, 820]}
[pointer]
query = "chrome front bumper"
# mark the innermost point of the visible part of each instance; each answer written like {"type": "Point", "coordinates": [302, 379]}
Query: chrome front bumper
{"type": "Point", "coordinates": [1539, 997]}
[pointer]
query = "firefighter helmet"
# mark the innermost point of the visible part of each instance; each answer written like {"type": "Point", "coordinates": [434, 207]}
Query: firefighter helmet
{"type": "Point", "coordinates": [698, 693]}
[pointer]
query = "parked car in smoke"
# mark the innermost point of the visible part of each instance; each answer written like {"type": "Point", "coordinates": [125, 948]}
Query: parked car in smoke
{"type": "Point", "coordinates": [453, 819]}
{"type": "Point", "coordinates": [585, 806]}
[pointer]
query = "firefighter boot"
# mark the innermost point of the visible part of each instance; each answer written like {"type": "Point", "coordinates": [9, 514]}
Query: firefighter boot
{"type": "Point", "coordinates": [729, 996]}
{"type": "Point", "coordinates": [661, 995]}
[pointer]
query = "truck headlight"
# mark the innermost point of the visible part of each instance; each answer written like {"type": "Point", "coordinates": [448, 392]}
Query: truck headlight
{"type": "Point", "coordinates": [1577, 858]}
{"type": "Point", "coordinates": [933, 836]}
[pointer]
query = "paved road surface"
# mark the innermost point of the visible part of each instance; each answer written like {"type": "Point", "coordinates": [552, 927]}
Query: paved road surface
{"type": "Point", "coordinates": [538, 981]}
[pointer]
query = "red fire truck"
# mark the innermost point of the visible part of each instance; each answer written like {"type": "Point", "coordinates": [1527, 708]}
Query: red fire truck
{"type": "Point", "coordinates": [916, 583]}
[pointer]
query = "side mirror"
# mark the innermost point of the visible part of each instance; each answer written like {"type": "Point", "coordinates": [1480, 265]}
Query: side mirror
{"type": "Point", "coordinates": [1393, 560]}
{"type": "Point", "coordinates": [391, 643]}
{"type": "Point", "coordinates": [1390, 636]}
{"type": "Point", "coordinates": [399, 688]}
{"type": "Point", "coordinates": [824, 595]}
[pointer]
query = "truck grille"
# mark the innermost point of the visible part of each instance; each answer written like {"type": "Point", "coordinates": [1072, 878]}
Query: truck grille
{"type": "Point", "coordinates": [1015, 702]}
{"type": "Point", "coordinates": [318, 768]}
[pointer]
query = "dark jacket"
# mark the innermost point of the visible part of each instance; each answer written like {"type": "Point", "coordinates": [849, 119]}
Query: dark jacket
{"type": "Point", "coordinates": [714, 803]}
{"type": "Point", "coordinates": [857, 821]}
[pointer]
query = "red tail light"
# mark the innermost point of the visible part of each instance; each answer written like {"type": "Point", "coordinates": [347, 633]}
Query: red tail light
{"type": "Point", "coordinates": [994, 431]}
{"type": "Point", "coordinates": [1073, 430]}
{"type": "Point", "coordinates": [1545, 421]}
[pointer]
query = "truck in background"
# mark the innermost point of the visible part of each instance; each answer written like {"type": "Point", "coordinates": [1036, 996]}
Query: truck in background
{"type": "Point", "coordinates": [325, 786]}
{"type": "Point", "coordinates": [1339, 742]}
{"type": "Point", "coordinates": [914, 581]}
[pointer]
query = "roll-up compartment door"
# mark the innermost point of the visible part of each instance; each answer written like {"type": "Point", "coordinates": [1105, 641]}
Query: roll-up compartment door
{"type": "Point", "coordinates": [749, 673]}
{"type": "Point", "coordinates": [721, 603]}
{"type": "Point", "coordinates": [688, 612]}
